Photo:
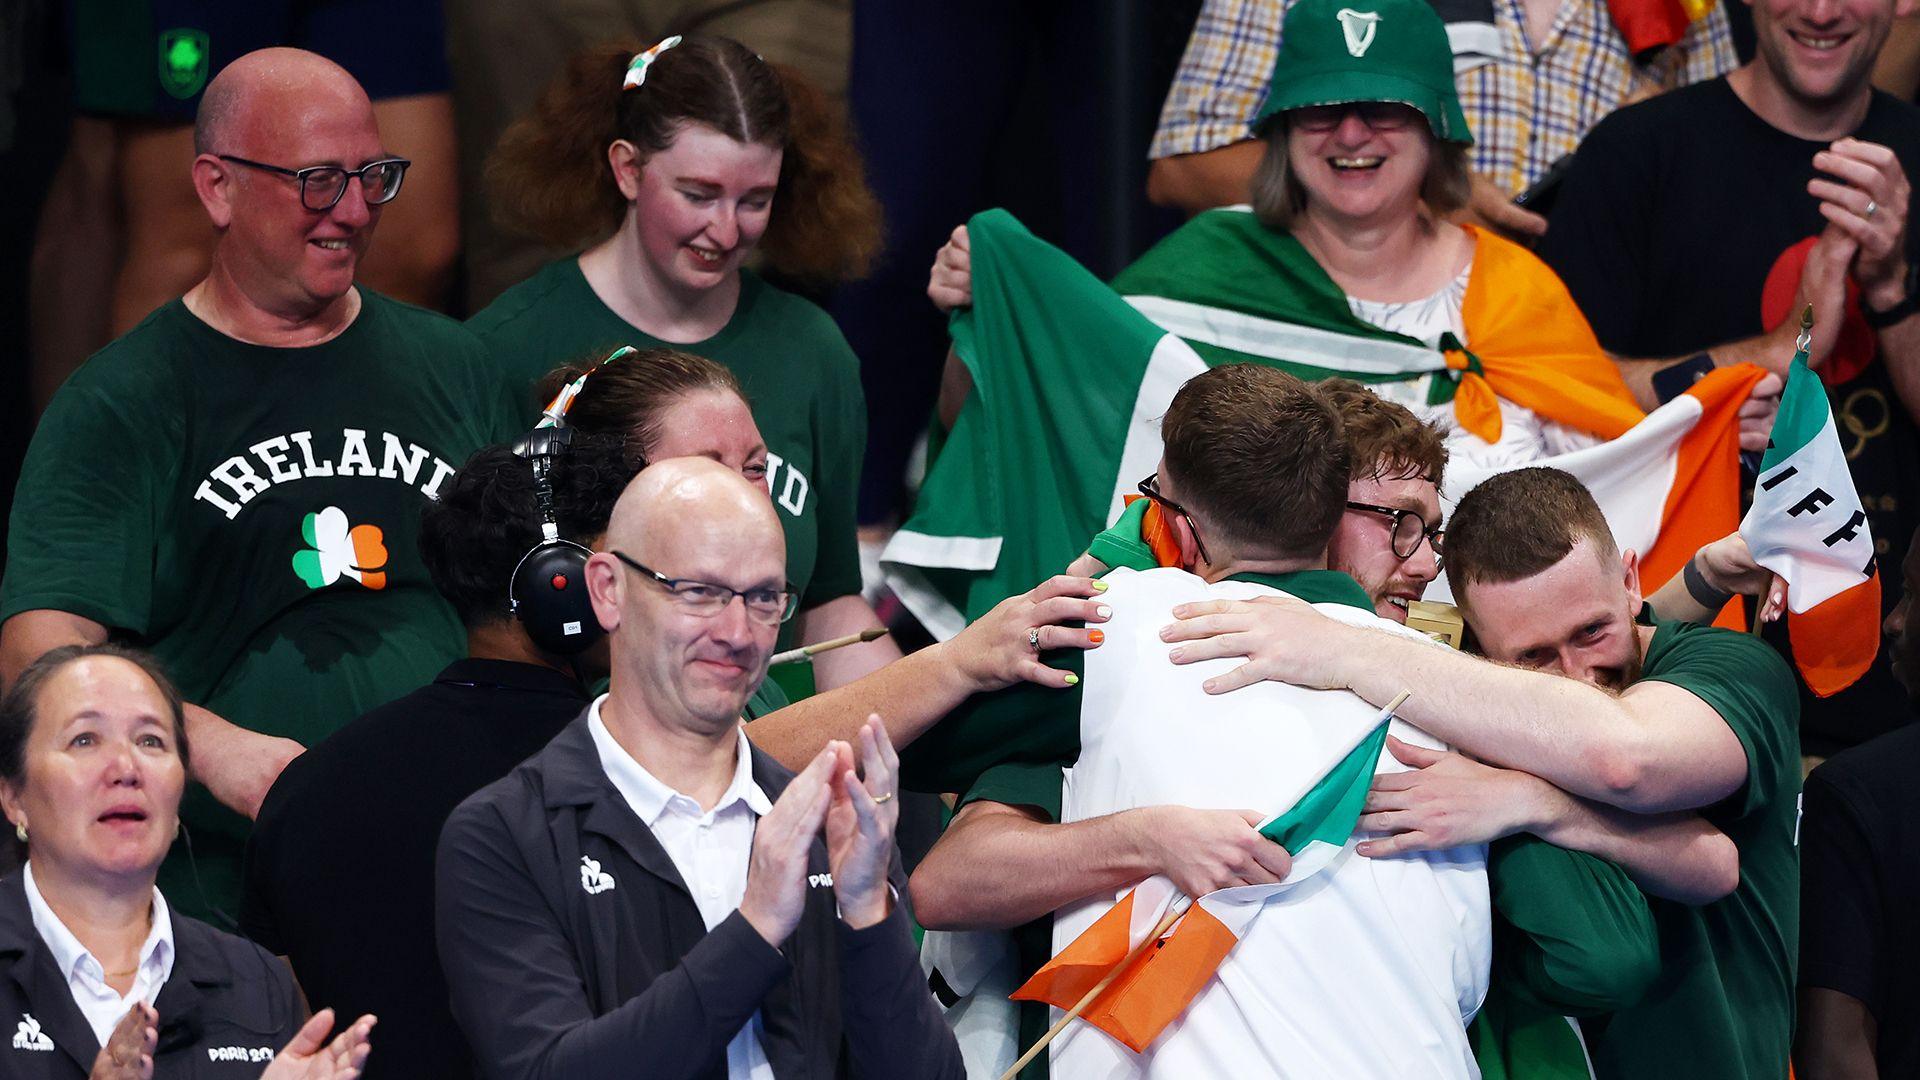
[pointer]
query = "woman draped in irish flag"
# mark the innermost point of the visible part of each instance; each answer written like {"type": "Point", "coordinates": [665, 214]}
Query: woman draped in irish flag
{"type": "Point", "coordinates": [1343, 264]}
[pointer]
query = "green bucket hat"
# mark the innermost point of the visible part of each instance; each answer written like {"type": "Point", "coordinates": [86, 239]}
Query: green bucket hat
{"type": "Point", "coordinates": [1333, 52]}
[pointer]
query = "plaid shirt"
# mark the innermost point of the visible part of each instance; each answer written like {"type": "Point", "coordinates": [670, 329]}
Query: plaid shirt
{"type": "Point", "coordinates": [1526, 108]}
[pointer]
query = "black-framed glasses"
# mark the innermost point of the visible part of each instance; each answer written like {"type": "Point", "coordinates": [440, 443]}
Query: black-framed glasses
{"type": "Point", "coordinates": [706, 599]}
{"type": "Point", "coordinates": [322, 185]}
{"type": "Point", "coordinates": [1150, 487]}
{"type": "Point", "coordinates": [1408, 528]}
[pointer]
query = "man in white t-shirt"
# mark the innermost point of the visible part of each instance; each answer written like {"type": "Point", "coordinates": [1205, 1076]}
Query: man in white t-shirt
{"type": "Point", "coordinates": [1252, 484]}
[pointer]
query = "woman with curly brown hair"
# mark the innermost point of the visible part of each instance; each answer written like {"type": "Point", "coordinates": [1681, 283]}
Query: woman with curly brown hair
{"type": "Point", "coordinates": [672, 167]}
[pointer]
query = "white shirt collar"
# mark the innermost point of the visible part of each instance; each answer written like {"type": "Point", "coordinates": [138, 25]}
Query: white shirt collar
{"type": "Point", "coordinates": [72, 958]}
{"type": "Point", "coordinates": [648, 796]}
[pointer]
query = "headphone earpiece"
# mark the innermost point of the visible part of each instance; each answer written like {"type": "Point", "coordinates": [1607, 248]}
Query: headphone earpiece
{"type": "Point", "coordinates": [548, 590]}
{"type": "Point", "coordinates": [549, 597]}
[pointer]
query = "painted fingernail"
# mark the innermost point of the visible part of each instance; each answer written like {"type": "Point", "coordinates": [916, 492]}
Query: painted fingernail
{"type": "Point", "coordinates": [1072, 679]}
{"type": "Point", "coordinates": [1103, 611]}
{"type": "Point", "coordinates": [1096, 636]}
{"type": "Point", "coordinates": [1099, 586]}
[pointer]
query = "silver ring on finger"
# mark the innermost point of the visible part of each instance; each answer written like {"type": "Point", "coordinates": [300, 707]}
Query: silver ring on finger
{"type": "Point", "coordinates": [1872, 208]}
{"type": "Point", "coordinates": [1033, 638]}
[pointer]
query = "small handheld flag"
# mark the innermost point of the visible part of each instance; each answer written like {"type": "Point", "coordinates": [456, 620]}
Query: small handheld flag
{"type": "Point", "coordinates": [1131, 984]}
{"type": "Point", "coordinates": [1808, 526]}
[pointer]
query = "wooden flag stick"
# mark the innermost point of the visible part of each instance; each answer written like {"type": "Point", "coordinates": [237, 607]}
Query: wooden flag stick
{"type": "Point", "coordinates": [1174, 911]}
{"type": "Point", "coordinates": [808, 652]}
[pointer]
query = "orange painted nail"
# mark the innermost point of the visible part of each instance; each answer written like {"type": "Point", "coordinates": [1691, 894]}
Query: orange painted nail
{"type": "Point", "coordinates": [1097, 636]}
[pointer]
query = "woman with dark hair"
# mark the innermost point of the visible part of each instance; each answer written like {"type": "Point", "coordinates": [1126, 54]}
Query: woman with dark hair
{"type": "Point", "coordinates": [672, 167]}
{"type": "Point", "coordinates": [116, 986]}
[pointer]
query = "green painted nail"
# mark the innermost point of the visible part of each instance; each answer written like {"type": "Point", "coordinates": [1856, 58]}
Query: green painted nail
{"type": "Point", "coordinates": [1099, 586]}
{"type": "Point", "coordinates": [1072, 679]}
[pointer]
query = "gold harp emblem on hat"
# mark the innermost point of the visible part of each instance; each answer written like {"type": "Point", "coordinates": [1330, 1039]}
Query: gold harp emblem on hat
{"type": "Point", "coordinates": [1359, 27]}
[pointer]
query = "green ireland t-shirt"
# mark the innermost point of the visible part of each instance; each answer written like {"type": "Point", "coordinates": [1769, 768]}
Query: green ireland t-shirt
{"type": "Point", "coordinates": [800, 376]}
{"type": "Point", "coordinates": [251, 515]}
{"type": "Point", "coordinates": [1722, 1006]}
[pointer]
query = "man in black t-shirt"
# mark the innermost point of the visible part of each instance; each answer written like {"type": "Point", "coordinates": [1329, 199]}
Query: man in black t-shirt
{"type": "Point", "coordinates": [1859, 947]}
{"type": "Point", "coordinates": [1694, 228]}
{"type": "Point", "coordinates": [339, 870]}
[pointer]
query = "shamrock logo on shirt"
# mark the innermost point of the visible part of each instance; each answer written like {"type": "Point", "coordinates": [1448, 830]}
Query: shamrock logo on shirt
{"type": "Point", "coordinates": [334, 550]}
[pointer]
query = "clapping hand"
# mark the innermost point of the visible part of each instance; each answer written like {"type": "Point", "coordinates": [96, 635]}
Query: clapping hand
{"type": "Point", "coordinates": [128, 1054]}
{"type": "Point", "coordinates": [311, 1057]}
{"type": "Point", "coordinates": [1864, 196]}
{"type": "Point", "coordinates": [860, 826]}
{"type": "Point", "coordinates": [776, 893]}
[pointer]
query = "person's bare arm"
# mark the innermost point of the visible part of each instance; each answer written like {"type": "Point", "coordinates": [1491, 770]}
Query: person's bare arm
{"type": "Point", "coordinates": [1726, 566]}
{"type": "Point", "coordinates": [1491, 206]}
{"type": "Point", "coordinates": [837, 618]}
{"type": "Point", "coordinates": [956, 382]}
{"type": "Point", "coordinates": [1835, 1037]}
{"type": "Point", "coordinates": [914, 692]}
{"type": "Point", "coordinates": [1653, 748]}
{"type": "Point", "coordinates": [1446, 800]}
{"type": "Point", "coordinates": [1823, 286]}
{"type": "Point", "coordinates": [999, 866]}
{"type": "Point", "coordinates": [1677, 856]}
{"type": "Point", "coordinates": [236, 765]}
{"type": "Point", "coordinates": [29, 635]}
{"type": "Point", "coordinates": [1194, 182]}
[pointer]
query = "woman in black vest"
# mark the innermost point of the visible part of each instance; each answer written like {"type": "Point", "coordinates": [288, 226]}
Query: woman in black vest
{"type": "Point", "coordinates": [98, 978]}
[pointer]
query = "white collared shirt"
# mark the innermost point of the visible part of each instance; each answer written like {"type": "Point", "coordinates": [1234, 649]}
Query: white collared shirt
{"type": "Point", "coordinates": [102, 1005]}
{"type": "Point", "coordinates": [710, 848]}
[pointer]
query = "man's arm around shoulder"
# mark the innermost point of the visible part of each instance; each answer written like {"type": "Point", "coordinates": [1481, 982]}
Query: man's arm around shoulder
{"type": "Point", "coordinates": [1001, 866]}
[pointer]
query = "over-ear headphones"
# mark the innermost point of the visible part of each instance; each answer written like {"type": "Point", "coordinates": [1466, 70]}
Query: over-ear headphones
{"type": "Point", "coordinates": [548, 591]}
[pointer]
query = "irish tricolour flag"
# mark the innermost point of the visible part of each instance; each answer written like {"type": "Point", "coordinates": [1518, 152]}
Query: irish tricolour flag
{"type": "Point", "coordinates": [1807, 525]}
{"type": "Point", "coordinates": [1070, 380]}
{"type": "Point", "coordinates": [1156, 984]}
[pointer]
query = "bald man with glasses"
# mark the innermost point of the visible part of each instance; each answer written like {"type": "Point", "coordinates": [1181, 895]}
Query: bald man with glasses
{"type": "Point", "coordinates": [653, 888]}
{"type": "Point", "coordinates": [237, 482]}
